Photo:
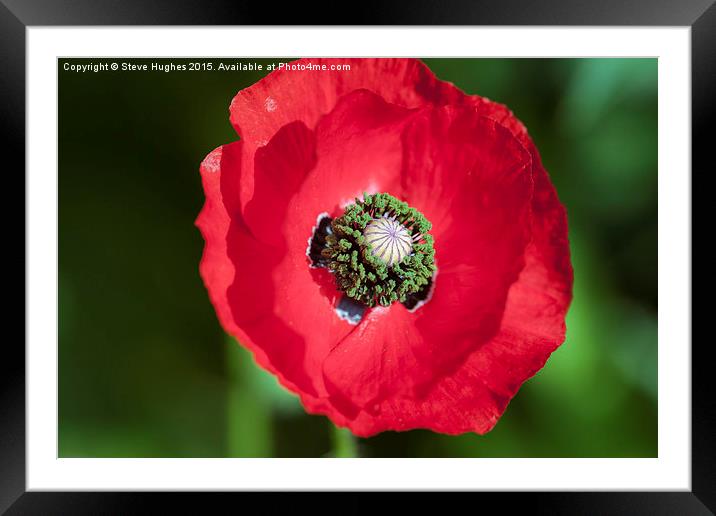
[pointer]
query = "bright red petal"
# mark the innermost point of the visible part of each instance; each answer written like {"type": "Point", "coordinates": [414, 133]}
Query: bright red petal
{"type": "Point", "coordinates": [474, 397]}
{"type": "Point", "coordinates": [214, 221]}
{"type": "Point", "coordinates": [300, 174]}
{"type": "Point", "coordinates": [474, 177]}
{"type": "Point", "coordinates": [358, 148]}
{"type": "Point", "coordinates": [254, 288]}
{"type": "Point", "coordinates": [283, 97]}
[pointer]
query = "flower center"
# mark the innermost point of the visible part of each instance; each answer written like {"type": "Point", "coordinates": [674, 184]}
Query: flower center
{"type": "Point", "coordinates": [389, 240]}
{"type": "Point", "coordinates": [380, 252]}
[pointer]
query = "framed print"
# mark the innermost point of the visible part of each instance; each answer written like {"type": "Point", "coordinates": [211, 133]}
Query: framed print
{"type": "Point", "coordinates": [437, 252]}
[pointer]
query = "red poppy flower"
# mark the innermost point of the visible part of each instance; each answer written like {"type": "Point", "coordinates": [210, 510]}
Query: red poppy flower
{"type": "Point", "coordinates": [297, 277]}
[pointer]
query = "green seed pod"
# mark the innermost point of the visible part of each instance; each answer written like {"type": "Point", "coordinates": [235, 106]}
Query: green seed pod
{"type": "Point", "coordinates": [389, 240]}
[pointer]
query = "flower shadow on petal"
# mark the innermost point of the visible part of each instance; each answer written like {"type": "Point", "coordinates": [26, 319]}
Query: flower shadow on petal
{"type": "Point", "coordinates": [280, 168]}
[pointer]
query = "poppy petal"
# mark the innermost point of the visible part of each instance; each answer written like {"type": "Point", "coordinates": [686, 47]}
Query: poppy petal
{"type": "Point", "coordinates": [245, 281]}
{"type": "Point", "coordinates": [285, 96]}
{"type": "Point", "coordinates": [214, 221]}
{"type": "Point", "coordinates": [474, 397]}
{"type": "Point", "coordinates": [301, 174]}
{"type": "Point", "coordinates": [358, 148]}
{"type": "Point", "coordinates": [453, 158]}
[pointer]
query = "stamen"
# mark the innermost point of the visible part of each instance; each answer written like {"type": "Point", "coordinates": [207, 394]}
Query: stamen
{"type": "Point", "coordinates": [415, 301]}
{"type": "Point", "coordinates": [380, 251]}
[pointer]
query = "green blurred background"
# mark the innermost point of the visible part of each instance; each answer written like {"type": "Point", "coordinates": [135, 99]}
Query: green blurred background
{"type": "Point", "coordinates": [145, 369]}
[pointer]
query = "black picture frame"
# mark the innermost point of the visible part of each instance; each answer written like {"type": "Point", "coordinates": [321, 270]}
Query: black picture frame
{"type": "Point", "coordinates": [17, 15]}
